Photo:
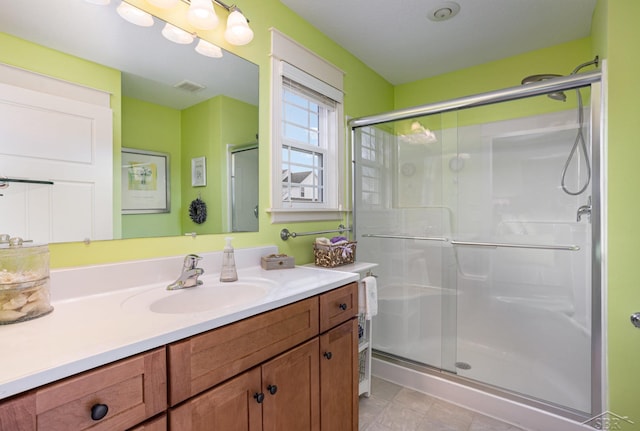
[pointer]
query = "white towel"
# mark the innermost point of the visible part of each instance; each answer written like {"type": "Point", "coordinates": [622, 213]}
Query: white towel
{"type": "Point", "coordinates": [369, 296]}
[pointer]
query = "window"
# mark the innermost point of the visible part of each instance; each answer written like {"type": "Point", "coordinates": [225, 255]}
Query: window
{"type": "Point", "coordinates": [374, 161]}
{"type": "Point", "coordinates": [308, 118]}
{"type": "Point", "coordinates": [307, 136]}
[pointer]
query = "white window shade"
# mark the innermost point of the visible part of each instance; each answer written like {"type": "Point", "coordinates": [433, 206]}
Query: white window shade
{"type": "Point", "coordinates": [311, 82]}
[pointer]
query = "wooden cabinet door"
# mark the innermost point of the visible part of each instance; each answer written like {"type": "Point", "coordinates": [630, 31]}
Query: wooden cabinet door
{"type": "Point", "coordinates": [19, 413]}
{"type": "Point", "coordinates": [339, 378]}
{"type": "Point", "coordinates": [156, 424]}
{"type": "Point", "coordinates": [291, 387]}
{"type": "Point", "coordinates": [231, 406]}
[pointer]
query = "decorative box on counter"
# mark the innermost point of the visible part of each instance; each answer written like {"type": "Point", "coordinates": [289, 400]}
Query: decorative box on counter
{"type": "Point", "coordinates": [277, 261]}
{"type": "Point", "coordinates": [332, 255]}
{"type": "Point", "coordinates": [24, 281]}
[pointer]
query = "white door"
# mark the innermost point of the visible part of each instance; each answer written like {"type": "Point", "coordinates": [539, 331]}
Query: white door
{"type": "Point", "coordinates": [47, 137]}
{"type": "Point", "coordinates": [244, 190]}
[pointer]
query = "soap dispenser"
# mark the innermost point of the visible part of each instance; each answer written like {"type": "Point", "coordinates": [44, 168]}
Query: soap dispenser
{"type": "Point", "coordinates": [228, 272]}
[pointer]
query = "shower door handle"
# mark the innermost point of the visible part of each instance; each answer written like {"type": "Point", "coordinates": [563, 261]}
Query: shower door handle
{"type": "Point", "coordinates": [635, 319]}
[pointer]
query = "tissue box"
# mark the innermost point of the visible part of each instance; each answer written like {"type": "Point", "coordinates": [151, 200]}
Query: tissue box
{"type": "Point", "coordinates": [277, 261]}
{"type": "Point", "coordinates": [330, 256]}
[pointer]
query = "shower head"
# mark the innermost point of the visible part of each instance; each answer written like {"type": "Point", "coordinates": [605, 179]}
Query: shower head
{"type": "Point", "coordinates": [538, 78]}
{"type": "Point", "coordinates": [558, 95]}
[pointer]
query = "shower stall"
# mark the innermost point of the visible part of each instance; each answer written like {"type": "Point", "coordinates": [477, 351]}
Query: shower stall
{"type": "Point", "coordinates": [484, 215]}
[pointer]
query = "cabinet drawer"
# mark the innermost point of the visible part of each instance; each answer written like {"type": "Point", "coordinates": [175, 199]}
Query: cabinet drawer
{"type": "Point", "coordinates": [133, 390]}
{"type": "Point", "coordinates": [205, 360]}
{"type": "Point", "coordinates": [338, 306]}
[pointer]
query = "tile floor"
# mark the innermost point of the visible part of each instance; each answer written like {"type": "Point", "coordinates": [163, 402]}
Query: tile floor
{"type": "Point", "coordinates": [392, 407]}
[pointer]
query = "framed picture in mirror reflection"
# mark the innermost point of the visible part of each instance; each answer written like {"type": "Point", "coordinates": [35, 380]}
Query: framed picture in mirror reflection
{"type": "Point", "coordinates": [145, 182]}
{"type": "Point", "coordinates": [198, 172]}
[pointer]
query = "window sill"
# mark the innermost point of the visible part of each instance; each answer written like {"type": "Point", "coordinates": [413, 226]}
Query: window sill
{"type": "Point", "coordinates": [290, 215]}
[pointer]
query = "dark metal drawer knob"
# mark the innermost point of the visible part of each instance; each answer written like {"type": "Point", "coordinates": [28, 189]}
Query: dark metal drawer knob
{"type": "Point", "coordinates": [99, 411]}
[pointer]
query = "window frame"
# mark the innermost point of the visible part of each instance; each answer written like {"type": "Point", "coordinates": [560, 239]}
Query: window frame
{"type": "Point", "coordinates": [306, 69]}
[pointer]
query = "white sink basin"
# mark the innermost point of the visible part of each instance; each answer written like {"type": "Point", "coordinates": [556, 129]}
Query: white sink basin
{"type": "Point", "coordinates": [211, 295]}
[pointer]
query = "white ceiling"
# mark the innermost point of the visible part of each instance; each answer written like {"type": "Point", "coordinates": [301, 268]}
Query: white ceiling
{"type": "Point", "coordinates": [395, 38]}
{"type": "Point", "coordinates": [151, 64]}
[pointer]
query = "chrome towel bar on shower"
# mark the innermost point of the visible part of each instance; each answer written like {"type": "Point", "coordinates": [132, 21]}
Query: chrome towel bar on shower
{"type": "Point", "coordinates": [419, 238]}
{"type": "Point", "coordinates": [531, 246]}
{"type": "Point", "coordinates": [477, 244]}
{"type": "Point", "coordinates": [285, 234]}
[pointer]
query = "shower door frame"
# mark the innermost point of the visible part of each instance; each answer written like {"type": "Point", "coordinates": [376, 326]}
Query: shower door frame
{"type": "Point", "coordinates": [588, 79]}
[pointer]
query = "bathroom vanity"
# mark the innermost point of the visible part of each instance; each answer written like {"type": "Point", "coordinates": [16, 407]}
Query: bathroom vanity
{"type": "Point", "coordinates": [283, 360]}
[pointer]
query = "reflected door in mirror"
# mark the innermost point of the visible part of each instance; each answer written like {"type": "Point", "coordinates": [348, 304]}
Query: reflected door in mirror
{"type": "Point", "coordinates": [46, 137]}
{"type": "Point", "coordinates": [244, 190]}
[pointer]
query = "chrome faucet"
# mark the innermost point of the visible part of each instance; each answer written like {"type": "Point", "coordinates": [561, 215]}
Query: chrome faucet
{"type": "Point", "coordinates": [584, 210]}
{"type": "Point", "coordinates": [190, 273]}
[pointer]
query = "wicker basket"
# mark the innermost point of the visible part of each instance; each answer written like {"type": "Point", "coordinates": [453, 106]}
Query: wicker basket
{"type": "Point", "coordinates": [330, 256]}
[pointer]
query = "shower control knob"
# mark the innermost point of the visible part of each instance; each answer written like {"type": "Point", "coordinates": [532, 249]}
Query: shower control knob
{"type": "Point", "coordinates": [635, 319]}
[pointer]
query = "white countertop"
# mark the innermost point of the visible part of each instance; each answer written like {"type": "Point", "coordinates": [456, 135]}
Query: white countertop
{"type": "Point", "coordinates": [108, 321]}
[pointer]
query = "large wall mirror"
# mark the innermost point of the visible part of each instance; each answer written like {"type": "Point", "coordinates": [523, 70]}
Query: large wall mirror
{"type": "Point", "coordinates": [195, 114]}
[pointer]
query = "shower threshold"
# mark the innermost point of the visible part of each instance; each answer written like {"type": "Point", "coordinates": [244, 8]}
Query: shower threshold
{"type": "Point", "coordinates": [448, 385]}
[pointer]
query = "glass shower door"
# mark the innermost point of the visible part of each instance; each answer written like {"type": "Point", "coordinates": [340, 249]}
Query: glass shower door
{"type": "Point", "coordinates": [403, 226]}
{"type": "Point", "coordinates": [522, 253]}
{"type": "Point", "coordinates": [480, 219]}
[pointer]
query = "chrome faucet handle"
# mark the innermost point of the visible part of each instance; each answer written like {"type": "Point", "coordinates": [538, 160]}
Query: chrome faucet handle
{"type": "Point", "coordinates": [584, 210]}
{"type": "Point", "coordinates": [191, 261]}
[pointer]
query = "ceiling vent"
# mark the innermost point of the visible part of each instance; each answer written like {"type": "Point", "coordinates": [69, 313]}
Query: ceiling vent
{"type": "Point", "coordinates": [444, 11]}
{"type": "Point", "coordinates": [189, 86]}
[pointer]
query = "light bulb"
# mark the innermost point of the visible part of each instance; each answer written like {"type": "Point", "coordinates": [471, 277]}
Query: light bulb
{"type": "Point", "coordinates": [210, 50]}
{"type": "Point", "coordinates": [201, 15]}
{"type": "Point", "coordinates": [177, 35]}
{"type": "Point", "coordinates": [163, 4]}
{"type": "Point", "coordinates": [134, 15]}
{"type": "Point", "coordinates": [238, 31]}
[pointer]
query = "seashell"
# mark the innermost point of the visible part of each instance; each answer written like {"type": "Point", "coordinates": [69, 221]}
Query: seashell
{"type": "Point", "coordinates": [16, 302]}
{"type": "Point", "coordinates": [10, 315]}
{"type": "Point", "coordinates": [38, 295]}
{"type": "Point", "coordinates": [35, 306]}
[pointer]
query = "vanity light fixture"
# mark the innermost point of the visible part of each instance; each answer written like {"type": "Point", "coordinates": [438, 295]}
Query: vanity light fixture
{"type": "Point", "coordinates": [200, 14]}
{"type": "Point", "coordinates": [134, 15]}
{"type": "Point", "coordinates": [207, 48]}
{"type": "Point", "coordinates": [238, 31]}
{"type": "Point", "coordinates": [176, 34]}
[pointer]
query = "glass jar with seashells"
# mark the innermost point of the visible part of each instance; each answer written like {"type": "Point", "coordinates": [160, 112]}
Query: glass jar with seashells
{"type": "Point", "coordinates": [24, 280]}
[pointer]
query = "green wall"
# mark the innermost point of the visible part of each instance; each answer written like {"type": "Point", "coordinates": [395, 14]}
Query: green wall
{"type": "Point", "coordinates": [218, 122]}
{"type": "Point", "coordinates": [495, 75]}
{"type": "Point", "coordinates": [151, 127]}
{"type": "Point", "coordinates": [616, 31]}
